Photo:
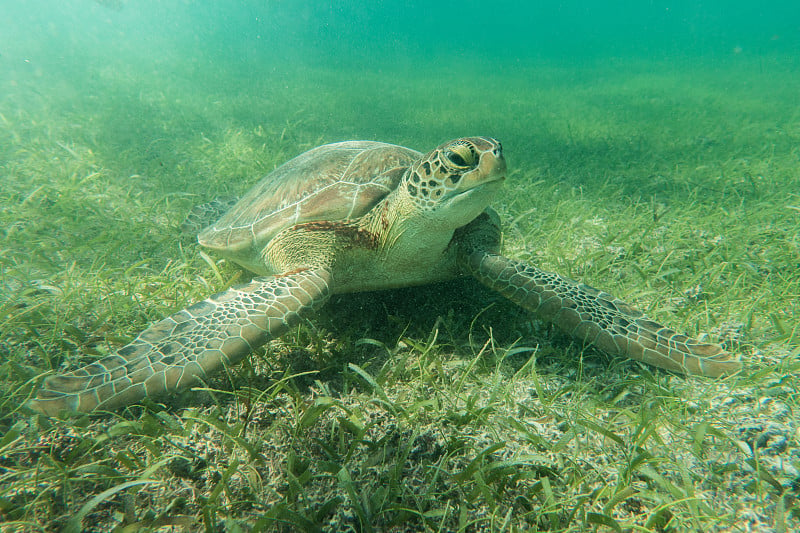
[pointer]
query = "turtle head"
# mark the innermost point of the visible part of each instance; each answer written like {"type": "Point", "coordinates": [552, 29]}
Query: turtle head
{"type": "Point", "coordinates": [458, 179]}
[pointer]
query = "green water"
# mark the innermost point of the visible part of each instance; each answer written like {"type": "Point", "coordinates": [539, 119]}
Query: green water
{"type": "Point", "coordinates": [128, 75]}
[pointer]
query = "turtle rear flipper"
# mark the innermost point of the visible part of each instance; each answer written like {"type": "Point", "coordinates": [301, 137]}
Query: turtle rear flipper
{"type": "Point", "coordinates": [179, 351]}
{"type": "Point", "coordinates": [597, 317]}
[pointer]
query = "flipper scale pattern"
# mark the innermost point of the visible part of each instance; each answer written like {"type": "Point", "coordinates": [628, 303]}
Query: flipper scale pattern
{"type": "Point", "coordinates": [598, 318]}
{"type": "Point", "coordinates": [181, 350]}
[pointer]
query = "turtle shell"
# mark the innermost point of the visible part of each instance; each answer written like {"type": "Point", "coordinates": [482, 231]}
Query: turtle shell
{"type": "Point", "coordinates": [334, 182]}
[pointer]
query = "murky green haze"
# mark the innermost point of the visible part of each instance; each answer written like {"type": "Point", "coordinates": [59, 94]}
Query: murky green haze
{"type": "Point", "coordinates": [283, 33]}
{"type": "Point", "coordinates": [473, 51]}
{"type": "Point", "coordinates": [199, 41]}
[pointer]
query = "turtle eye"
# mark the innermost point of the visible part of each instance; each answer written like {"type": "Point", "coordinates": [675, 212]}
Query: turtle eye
{"type": "Point", "coordinates": [460, 155]}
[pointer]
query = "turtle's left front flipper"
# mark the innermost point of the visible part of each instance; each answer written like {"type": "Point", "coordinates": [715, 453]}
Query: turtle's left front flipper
{"type": "Point", "coordinates": [181, 350]}
{"type": "Point", "coordinates": [597, 317]}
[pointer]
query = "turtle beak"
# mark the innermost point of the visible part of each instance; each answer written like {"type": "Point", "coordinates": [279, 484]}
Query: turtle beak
{"type": "Point", "coordinates": [491, 167]}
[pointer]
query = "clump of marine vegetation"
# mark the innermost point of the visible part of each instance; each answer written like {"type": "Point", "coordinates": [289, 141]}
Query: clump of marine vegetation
{"type": "Point", "coordinates": [440, 408]}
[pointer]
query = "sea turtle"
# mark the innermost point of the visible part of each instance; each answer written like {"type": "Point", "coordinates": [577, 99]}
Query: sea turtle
{"type": "Point", "coordinates": [357, 216]}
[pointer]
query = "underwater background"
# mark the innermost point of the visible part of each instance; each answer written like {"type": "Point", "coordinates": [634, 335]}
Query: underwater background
{"type": "Point", "coordinates": [394, 71]}
{"type": "Point", "coordinates": [373, 57]}
{"type": "Point", "coordinates": [287, 35]}
{"type": "Point", "coordinates": [653, 151]}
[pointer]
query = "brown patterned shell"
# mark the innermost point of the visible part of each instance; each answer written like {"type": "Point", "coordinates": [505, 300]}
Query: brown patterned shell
{"type": "Point", "coordinates": [339, 181]}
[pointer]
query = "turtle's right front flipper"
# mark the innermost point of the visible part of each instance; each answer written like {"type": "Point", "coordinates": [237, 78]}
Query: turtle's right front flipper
{"type": "Point", "coordinates": [595, 316]}
{"type": "Point", "coordinates": [184, 348]}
